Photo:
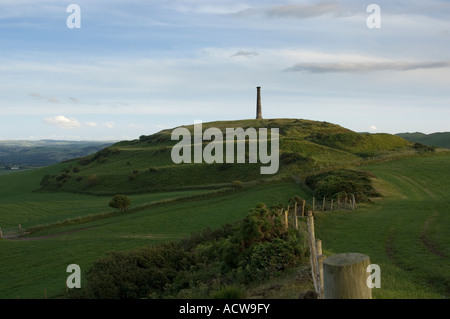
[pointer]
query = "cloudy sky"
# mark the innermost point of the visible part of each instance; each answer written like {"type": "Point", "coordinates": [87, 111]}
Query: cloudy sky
{"type": "Point", "coordinates": [136, 67]}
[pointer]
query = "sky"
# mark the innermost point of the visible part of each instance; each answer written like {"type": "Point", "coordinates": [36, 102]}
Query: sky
{"type": "Point", "coordinates": [133, 68]}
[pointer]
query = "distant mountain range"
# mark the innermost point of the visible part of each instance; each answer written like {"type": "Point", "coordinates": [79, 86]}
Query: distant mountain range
{"type": "Point", "coordinates": [441, 139]}
{"type": "Point", "coordinates": [23, 153]}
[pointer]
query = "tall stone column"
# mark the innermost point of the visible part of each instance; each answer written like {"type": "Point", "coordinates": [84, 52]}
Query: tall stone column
{"type": "Point", "coordinates": [258, 103]}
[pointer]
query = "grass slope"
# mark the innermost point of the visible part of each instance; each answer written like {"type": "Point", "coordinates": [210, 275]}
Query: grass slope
{"type": "Point", "coordinates": [36, 267]}
{"type": "Point", "coordinates": [145, 165]}
{"type": "Point", "coordinates": [406, 227]}
{"type": "Point", "coordinates": [407, 232]}
{"type": "Point", "coordinates": [440, 139]}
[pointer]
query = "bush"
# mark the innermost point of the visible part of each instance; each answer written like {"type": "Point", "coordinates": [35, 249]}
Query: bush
{"type": "Point", "coordinates": [62, 176]}
{"type": "Point", "coordinates": [229, 292]}
{"type": "Point", "coordinates": [46, 180]}
{"type": "Point", "coordinates": [102, 160]}
{"type": "Point", "coordinates": [237, 184]}
{"type": "Point", "coordinates": [330, 184]}
{"type": "Point", "coordinates": [422, 148]}
{"type": "Point", "coordinates": [267, 259]}
{"type": "Point", "coordinates": [92, 180]}
{"type": "Point", "coordinates": [120, 202]}
{"type": "Point", "coordinates": [255, 248]}
{"type": "Point", "coordinates": [289, 158]}
{"type": "Point", "coordinates": [131, 275]}
{"type": "Point", "coordinates": [261, 224]}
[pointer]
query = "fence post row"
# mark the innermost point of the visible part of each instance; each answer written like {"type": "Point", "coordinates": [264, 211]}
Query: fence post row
{"type": "Point", "coordinates": [341, 276]}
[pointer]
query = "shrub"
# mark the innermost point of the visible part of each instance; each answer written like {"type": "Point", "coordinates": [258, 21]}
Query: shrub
{"type": "Point", "coordinates": [422, 148]}
{"type": "Point", "coordinates": [211, 263]}
{"type": "Point", "coordinates": [85, 161]}
{"type": "Point", "coordinates": [92, 180]}
{"type": "Point", "coordinates": [102, 160]}
{"type": "Point", "coordinates": [237, 184]}
{"type": "Point", "coordinates": [289, 158]}
{"type": "Point", "coordinates": [229, 292]}
{"type": "Point", "coordinates": [261, 224]}
{"type": "Point", "coordinates": [120, 202]}
{"type": "Point", "coordinates": [45, 180]}
{"type": "Point", "coordinates": [137, 274]}
{"type": "Point", "coordinates": [62, 176]}
{"type": "Point", "coordinates": [329, 184]}
{"type": "Point", "coordinates": [267, 259]}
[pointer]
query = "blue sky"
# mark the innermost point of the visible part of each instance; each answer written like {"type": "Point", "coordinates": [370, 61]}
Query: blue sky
{"type": "Point", "coordinates": [136, 67]}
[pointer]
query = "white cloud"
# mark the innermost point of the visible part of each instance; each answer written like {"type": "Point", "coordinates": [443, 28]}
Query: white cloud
{"type": "Point", "coordinates": [63, 122]}
{"type": "Point", "coordinates": [365, 66]}
{"type": "Point", "coordinates": [300, 11]}
{"type": "Point", "coordinates": [91, 124]}
{"type": "Point", "coordinates": [372, 128]}
{"type": "Point", "coordinates": [109, 124]}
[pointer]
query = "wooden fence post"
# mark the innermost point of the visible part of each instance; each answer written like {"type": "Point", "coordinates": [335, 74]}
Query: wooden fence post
{"type": "Point", "coordinates": [320, 258]}
{"type": "Point", "coordinates": [354, 202]}
{"type": "Point", "coordinates": [331, 207]}
{"type": "Point", "coordinates": [313, 252]}
{"type": "Point", "coordinates": [20, 230]}
{"type": "Point", "coordinates": [1, 233]}
{"type": "Point", "coordinates": [286, 217]}
{"type": "Point", "coordinates": [345, 276]}
{"type": "Point", "coordinates": [295, 216]}
{"type": "Point", "coordinates": [314, 204]}
{"type": "Point", "coordinates": [303, 208]}
{"type": "Point", "coordinates": [323, 204]}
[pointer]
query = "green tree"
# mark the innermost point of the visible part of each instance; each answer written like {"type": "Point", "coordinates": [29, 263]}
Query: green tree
{"type": "Point", "coordinates": [120, 202]}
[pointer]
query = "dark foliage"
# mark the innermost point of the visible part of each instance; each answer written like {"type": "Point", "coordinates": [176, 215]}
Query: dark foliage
{"type": "Point", "coordinates": [341, 183]}
{"type": "Point", "coordinates": [257, 248]}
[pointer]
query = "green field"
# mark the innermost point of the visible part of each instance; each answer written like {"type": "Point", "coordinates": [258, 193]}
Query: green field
{"type": "Point", "coordinates": [406, 231]}
{"type": "Point", "coordinates": [31, 267]}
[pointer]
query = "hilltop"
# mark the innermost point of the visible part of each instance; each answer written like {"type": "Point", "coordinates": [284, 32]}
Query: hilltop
{"type": "Point", "coordinates": [145, 164]}
{"type": "Point", "coordinates": [440, 139]}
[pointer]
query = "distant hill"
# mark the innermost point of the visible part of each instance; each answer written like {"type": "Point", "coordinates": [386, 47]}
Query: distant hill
{"type": "Point", "coordinates": [22, 153]}
{"type": "Point", "coordinates": [145, 164]}
{"type": "Point", "coordinates": [441, 139]}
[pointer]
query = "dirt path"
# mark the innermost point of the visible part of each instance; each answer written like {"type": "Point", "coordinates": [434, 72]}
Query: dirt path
{"type": "Point", "coordinates": [18, 237]}
{"type": "Point", "coordinates": [418, 186]}
{"type": "Point", "coordinates": [429, 244]}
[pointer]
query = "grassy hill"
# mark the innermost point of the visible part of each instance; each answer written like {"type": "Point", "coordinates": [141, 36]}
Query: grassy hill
{"type": "Point", "coordinates": [145, 164]}
{"type": "Point", "coordinates": [405, 231]}
{"type": "Point", "coordinates": [440, 139]}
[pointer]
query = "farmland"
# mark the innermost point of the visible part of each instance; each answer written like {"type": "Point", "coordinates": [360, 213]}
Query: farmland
{"type": "Point", "coordinates": [405, 230]}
